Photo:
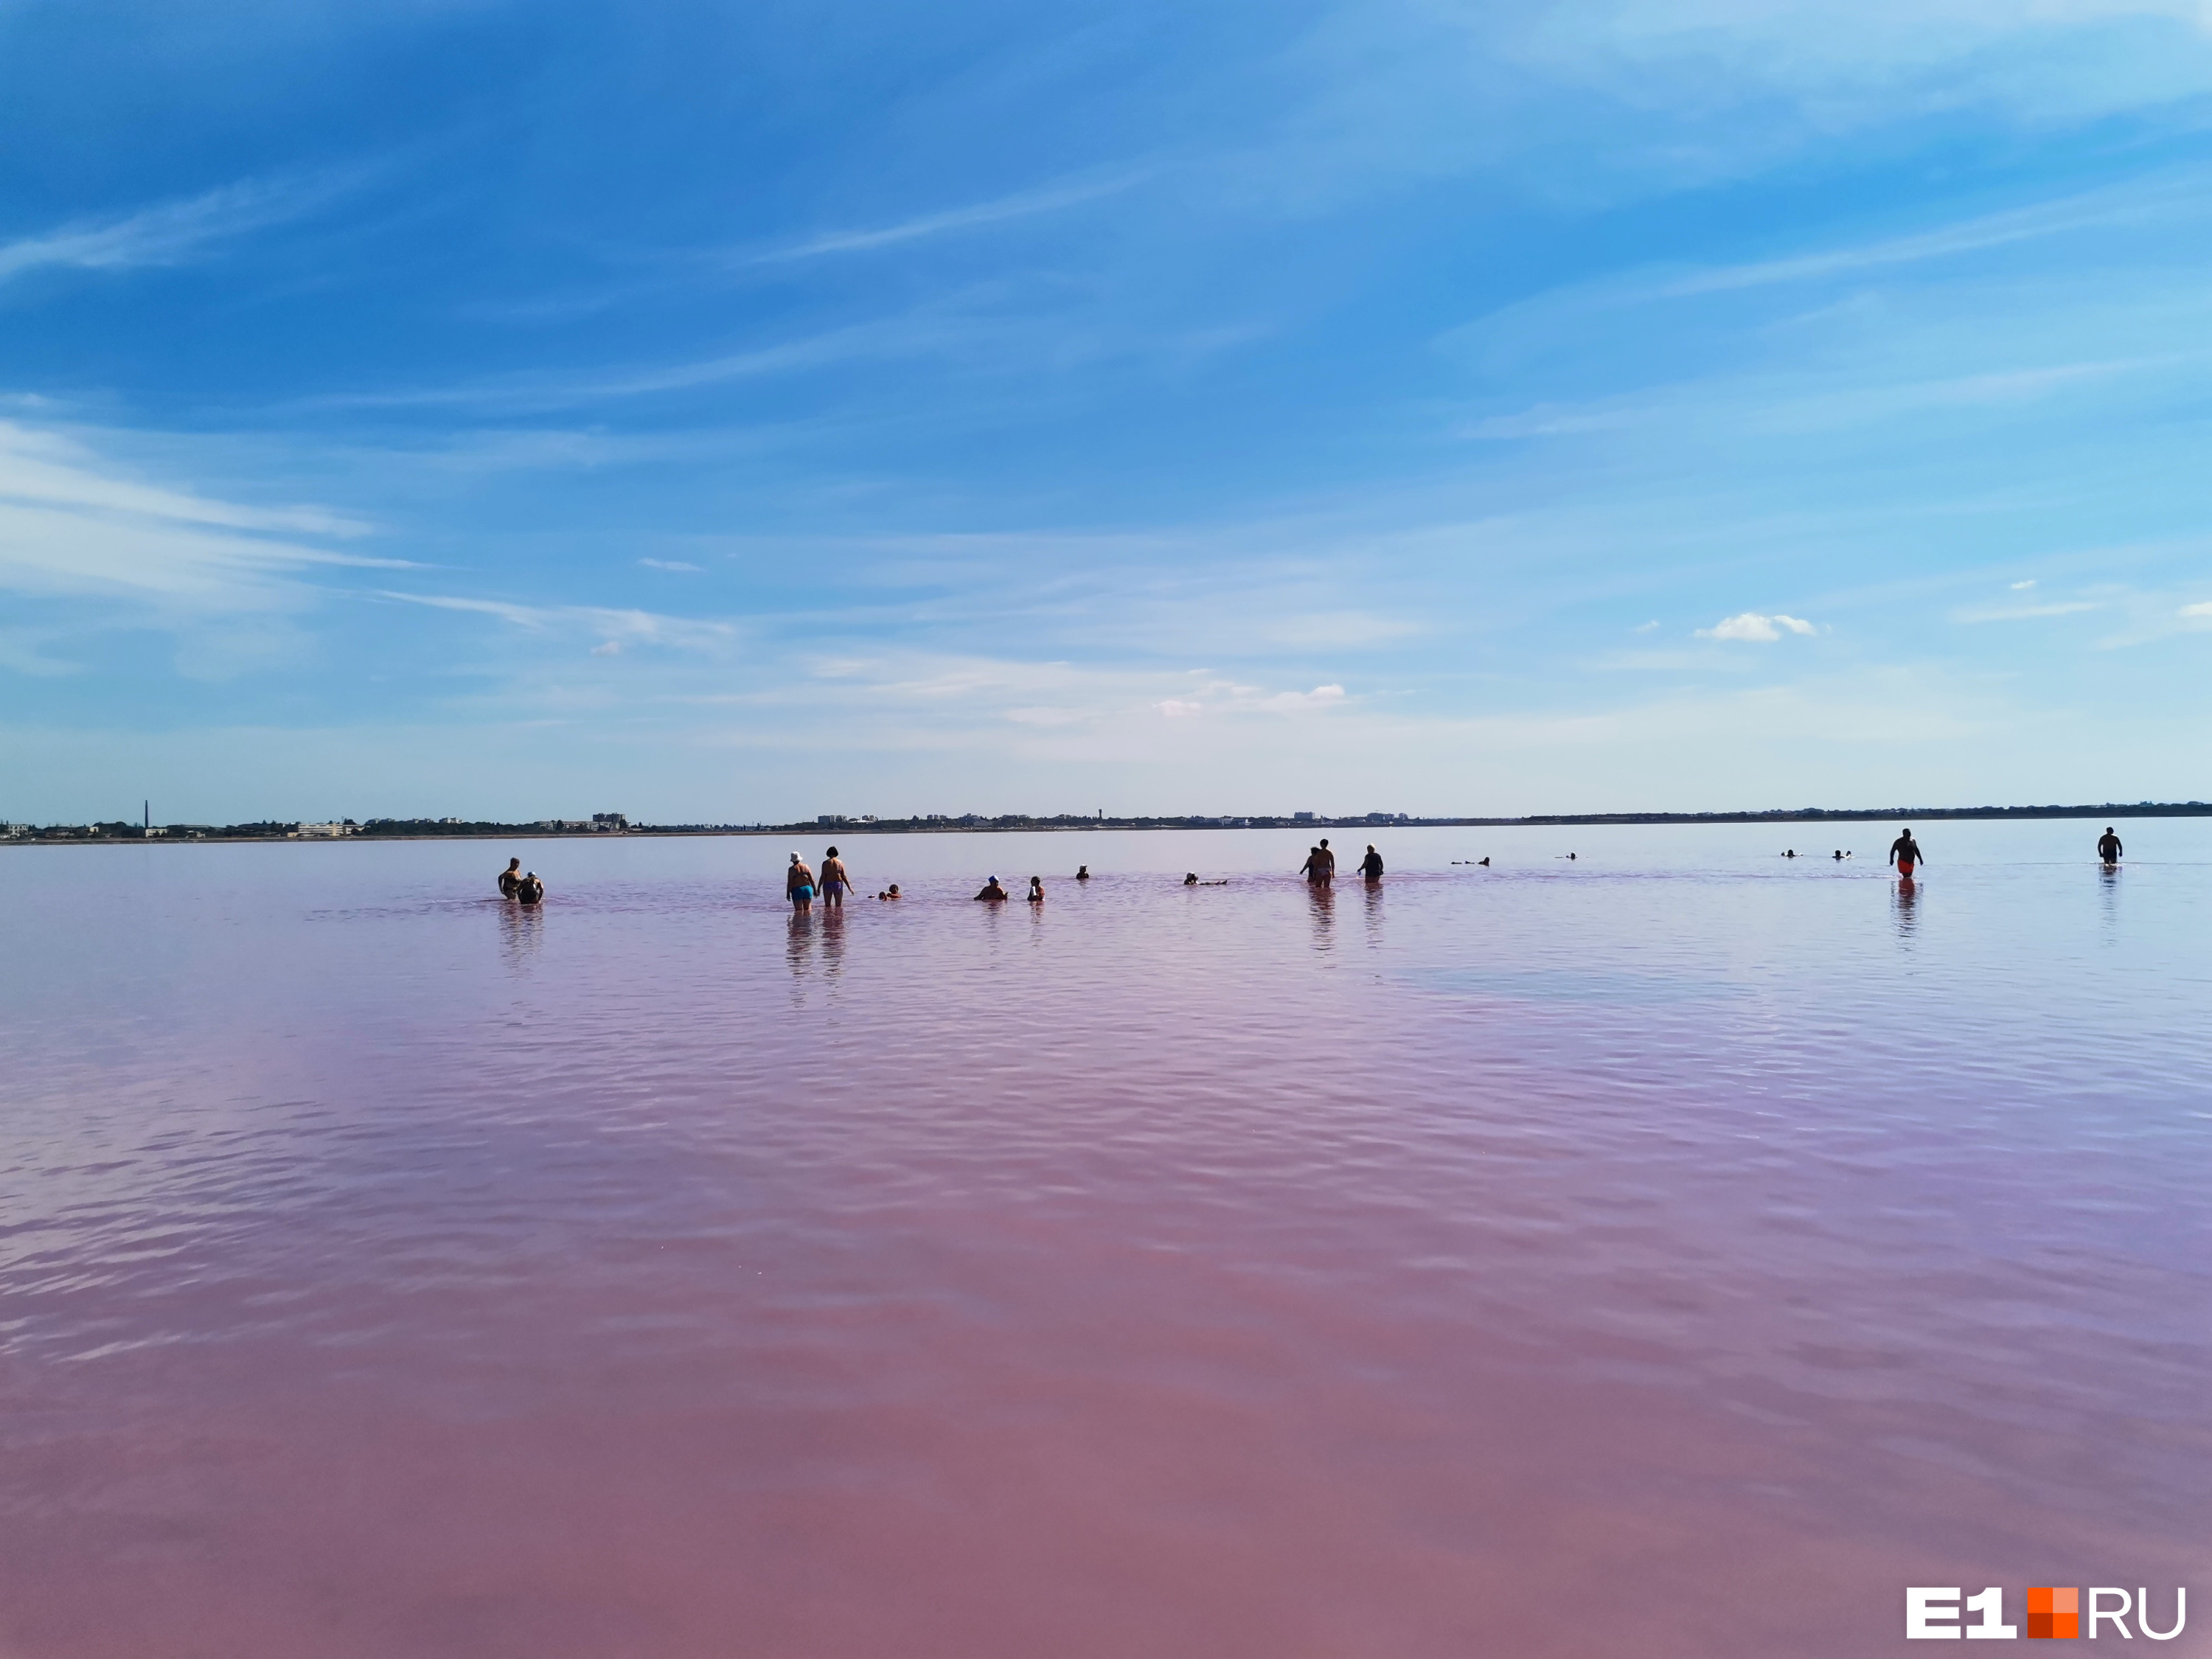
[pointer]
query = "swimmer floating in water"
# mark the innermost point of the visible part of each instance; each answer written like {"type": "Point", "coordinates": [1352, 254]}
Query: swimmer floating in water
{"type": "Point", "coordinates": [993, 892]}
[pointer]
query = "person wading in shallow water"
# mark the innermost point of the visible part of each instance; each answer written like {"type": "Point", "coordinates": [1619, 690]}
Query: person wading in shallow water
{"type": "Point", "coordinates": [991, 891]}
{"type": "Point", "coordinates": [1905, 852]}
{"type": "Point", "coordinates": [1313, 869]}
{"type": "Point", "coordinates": [834, 882]}
{"type": "Point", "coordinates": [1328, 861]}
{"type": "Point", "coordinates": [2108, 845]}
{"type": "Point", "coordinates": [1371, 866]}
{"type": "Point", "coordinates": [799, 884]}
{"type": "Point", "coordinates": [529, 890]}
{"type": "Point", "coordinates": [510, 878]}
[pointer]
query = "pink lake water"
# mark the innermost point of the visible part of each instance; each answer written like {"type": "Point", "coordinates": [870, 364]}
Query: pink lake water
{"type": "Point", "coordinates": [1674, 1251]}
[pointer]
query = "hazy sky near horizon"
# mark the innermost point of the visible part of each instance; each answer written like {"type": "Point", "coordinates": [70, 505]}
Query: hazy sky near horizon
{"type": "Point", "coordinates": [721, 413]}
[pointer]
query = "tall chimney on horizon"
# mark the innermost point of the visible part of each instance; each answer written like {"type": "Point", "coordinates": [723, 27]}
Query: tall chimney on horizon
{"type": "Point", "coordinates": [148, 806]}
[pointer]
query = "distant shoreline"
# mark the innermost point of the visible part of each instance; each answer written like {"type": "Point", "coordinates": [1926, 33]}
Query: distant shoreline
{"type": "Point", "coordinates": [423, 830]}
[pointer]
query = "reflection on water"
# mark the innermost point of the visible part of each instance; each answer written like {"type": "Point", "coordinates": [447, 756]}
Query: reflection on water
{"type": "Point", "coordinates": [1320, 902]}
{"type": "Point", "coordinates": [376, 1280]}
{"type": "Point", "coordinates": [521, 928]}
{"type": "Point", "coordinates": [1904, 902]}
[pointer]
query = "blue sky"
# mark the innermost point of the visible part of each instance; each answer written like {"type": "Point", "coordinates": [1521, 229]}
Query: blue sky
{"type": "Point", "coordinates": [723, 413]}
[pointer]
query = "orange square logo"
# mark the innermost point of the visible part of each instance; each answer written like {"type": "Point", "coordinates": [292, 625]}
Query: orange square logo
{"type": "Point", "coordinates": [2054, 1612]}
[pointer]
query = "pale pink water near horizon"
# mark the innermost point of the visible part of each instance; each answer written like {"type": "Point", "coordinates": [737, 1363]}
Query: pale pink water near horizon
{"type": "Point", "coordinates": [1674, 1251]}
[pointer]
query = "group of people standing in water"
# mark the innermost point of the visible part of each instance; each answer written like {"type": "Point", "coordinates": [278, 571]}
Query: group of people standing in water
{"type": "Point", "coordinates": [519, 884]}
{"type": "Point", "coordinates": [802, 886]}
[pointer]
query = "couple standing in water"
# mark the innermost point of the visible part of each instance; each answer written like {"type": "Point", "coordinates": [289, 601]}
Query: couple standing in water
{"type": "Point", "coordinates": [519, 884]}
{"type": "Point", "coordinates": [1319, 867]}
{"type": "Point", "coordinates": [799, 885]}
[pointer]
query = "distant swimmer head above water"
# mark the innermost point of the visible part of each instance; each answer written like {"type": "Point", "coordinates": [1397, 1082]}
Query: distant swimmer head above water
{"type": "Point", "coordinates": [991, 890]}
{"type": "Point", "coordinates": [1190, 879]}
{"type": "Point", "coordinates": [1082, 872]}
{"type": "Point", "coordinates": [892, 893]}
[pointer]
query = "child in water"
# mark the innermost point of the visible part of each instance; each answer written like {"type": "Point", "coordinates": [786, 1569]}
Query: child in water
{"type": "Point", "coordinates": [892, 894]}
{"type": "Point", "coordinates": [1036, 890]}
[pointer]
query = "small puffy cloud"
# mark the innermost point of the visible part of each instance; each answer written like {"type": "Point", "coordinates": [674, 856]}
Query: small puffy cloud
{"type": "Point", "coordinates": [1750, 625]}
{"type": "Point", "coordinates": [667, 564]}
{"type": "Point", "coordinates": [612, 648]}
{"type": "Point", "coordinates": [2201, 608]}
{"type": "Point", "coordinates": [1176, 709]}
{"type": "Point", "coordinates": [2022, 587]}
{"type": "Point", "coordinates": [1645, 628]}
{"type": "Point", "coordinates": [1322, 697]}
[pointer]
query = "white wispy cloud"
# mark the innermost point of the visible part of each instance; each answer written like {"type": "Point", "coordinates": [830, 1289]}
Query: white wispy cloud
{"type": "Point", "coordinates": [2026, 612]}
{"type": "Point", "coordinates": [1020, 205]}
{"type": "Point", "coordinates": [2133, 204]}
{"type": "Point", "coordinates": [2201, 608]}
{"type": "Point", "coordinates": [668, 565]}
{"type": "Point", "coordinates": [54, 469]}
{"type": "Point", "coordinates": [76, 520]}
{"type": "Point", "coordinates": [1752, 626]}
{"type": "Point", "coordinates": [168, 232]}
{"type": "Point", "coordinates": [615, 628]}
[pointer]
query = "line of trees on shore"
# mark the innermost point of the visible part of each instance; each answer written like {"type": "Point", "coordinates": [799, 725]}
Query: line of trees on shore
{"type": "Point", "coordinates": [973, 823]}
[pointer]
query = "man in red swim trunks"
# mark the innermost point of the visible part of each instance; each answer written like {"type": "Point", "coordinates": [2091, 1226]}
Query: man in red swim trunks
{"type": "Point", "coordinates": [1905, 852]}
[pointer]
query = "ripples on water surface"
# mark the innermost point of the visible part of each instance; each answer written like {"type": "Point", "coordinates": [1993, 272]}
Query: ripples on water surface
{"type": "Point", "coordinates": [1677, 1251]}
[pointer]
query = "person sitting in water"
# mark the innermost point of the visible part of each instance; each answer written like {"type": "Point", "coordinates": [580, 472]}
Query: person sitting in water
{"type": "Point", "coordinates": [892, 894]}
{"type": "Point", "coordinates": [1371, 866]}
{"type": "Point", "coordinates": [529, 890]}
{"type": "Point", "coordinates": [835, 883]}
{"type": "Point", "coordinates": [1082, 872]}
{"type": "Point", "coordinates": [2108, 845]}
{"type": "Point", "coordinates": [799, 884]}
{"type": "Point", "coordinates": [510, 878]}
{"type": "Point", "coordinates": [1036, 890]}
{"type": "Point", "coordinates": [993, 892]}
